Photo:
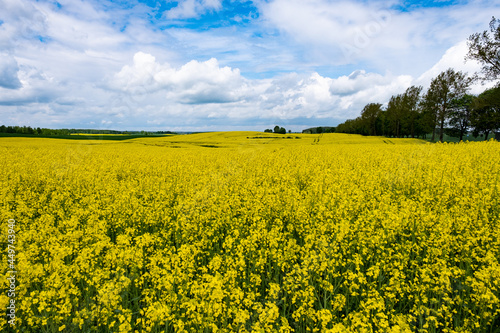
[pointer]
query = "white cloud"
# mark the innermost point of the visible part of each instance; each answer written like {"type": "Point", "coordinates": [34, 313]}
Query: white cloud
{"type": "Point", "coordinates": [373, 33]}
{"type": "Point", "coordinates": [33, 87]}
{"type": "Point", "coordinates": [20, 20]}
{"type": "Point", "coordinates": [361, 88]}
{"type": "Point", "coordinates": [193, 83]}
{"type": "Point", "coordinates": [285, 97]}
{"type": "Point", "coordinates": [454, 58]}
{"type": "Point", "coordinates": [193, 8]}
{"type": "Point", "coordinates": [343, 30]}
{"type": "Point", "coordinates": [8, 72]}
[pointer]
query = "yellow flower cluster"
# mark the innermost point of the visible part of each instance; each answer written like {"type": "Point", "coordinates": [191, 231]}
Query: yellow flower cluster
{"type": "Point", "coordinates": [249, 232]}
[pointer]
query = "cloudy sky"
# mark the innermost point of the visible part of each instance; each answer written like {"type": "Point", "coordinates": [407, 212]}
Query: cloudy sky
{"type": "Point", "coordinates": [204, 65]}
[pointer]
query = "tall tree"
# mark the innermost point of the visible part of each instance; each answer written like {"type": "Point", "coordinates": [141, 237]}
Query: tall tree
{"type": "Point", "coordinates": [485, 115]}
{"type": "Point", "coordinates": [460, 114]}
{"type": "Point", "coordinates": [486, 49]}
{"type": "Point", "coordinates": [394, 115]}
{"type": "Point", "coordinates": [410, 106]}
{"type": "Point", "coordinates": [369, 117]}
{"type": "Point", "coordinates": [430, 108]}
{"type": "Point", "coordinates": [448, 85]}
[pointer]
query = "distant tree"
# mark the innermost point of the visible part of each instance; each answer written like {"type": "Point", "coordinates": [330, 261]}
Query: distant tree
{"type": "Point", "coordinates": [319, 130]}
{"type": "Point", "coordinates": [346, 126]}
{"type": "Point", "coordinates": [394, 115]}
{"type": "Point", "coordinates": [268, 130]}
{"type": "Point", "coordinates": [410, 105]}
{"type": "Point", "coordinates": [403, 112]}
{"type": "Point", "coordinates": [382, 123]}
{"type": "Point", "coordinates": [447, 86]}
{"type": "Point", "coordinates": [289, 131]}
{"type": "Point", "coordinates": [276, 129]}
{"type": "Point", "coordinates": [282, 130]}
{"type": "Point", "coordinates": [485, 114]}
{"type": "Point", "coordinates": [27, 130]}
{"type": "Point", "coordinates": [369, 117]}
{"type": "Point", "coordinates": [486, 50]}
{"type": "Point", "coordinates": [429, 106]}
{"type": "Point", "coordinates": [352, 126]}
{"type": "Point", "coordinates": [460, 114]}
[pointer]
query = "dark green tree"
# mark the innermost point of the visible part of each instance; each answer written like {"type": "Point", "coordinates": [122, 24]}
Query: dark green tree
{"type": "Point", "coordinates": [410, 110]}
{"type": "Point", "coordinates": [485, 115]}
{"type": "Point", "coordinates": [394, 115]}
{"type": "Point", "coordinates": [460, 114]}
{"type": "Point", "coordinates": [429, 105]}
{"type": "Point", "coordinates": [369, 117]}
{"type": "Point", "coordinates": [447, 86]}
{"type": "Point", "coordinates": [485, 49]}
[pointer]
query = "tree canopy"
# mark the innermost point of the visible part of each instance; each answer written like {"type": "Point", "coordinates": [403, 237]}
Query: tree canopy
{"type": "Point", "coordinates": [485, 49]}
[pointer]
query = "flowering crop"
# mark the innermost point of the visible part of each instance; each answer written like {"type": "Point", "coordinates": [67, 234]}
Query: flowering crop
{"type": "Point", "coordinates": [240, 232]}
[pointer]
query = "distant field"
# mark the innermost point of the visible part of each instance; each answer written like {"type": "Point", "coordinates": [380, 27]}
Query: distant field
{"type": "Point", "coordinates": [251, 232]}
{"type": "Point", "coordinates": [251, 140]}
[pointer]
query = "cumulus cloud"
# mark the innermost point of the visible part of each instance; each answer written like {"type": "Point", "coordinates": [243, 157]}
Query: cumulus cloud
{"type": "Point", "coordinates": [283, 98]}
{"type": "Point", "coordinates": [454, 58]}
{"type": "Point", "coordinates": [360, 88]}
{"type": "Point", "coordinates": [8, 72]}
{"type": "Point", "coordinates": [193, 83]}
{"type": "Point", "coordinates": [32, 87]}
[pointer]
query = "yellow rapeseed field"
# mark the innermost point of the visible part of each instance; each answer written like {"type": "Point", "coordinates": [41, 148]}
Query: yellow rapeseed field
{"type": "Point", "coordinates": [252, 232]}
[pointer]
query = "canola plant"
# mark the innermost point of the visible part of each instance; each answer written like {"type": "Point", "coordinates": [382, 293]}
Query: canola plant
{"type": "Point", "coordinates": [246, 232]}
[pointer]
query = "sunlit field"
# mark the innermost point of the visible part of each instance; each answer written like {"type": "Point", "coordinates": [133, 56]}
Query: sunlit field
{"type": "Point", "coordinates": [252, 232]}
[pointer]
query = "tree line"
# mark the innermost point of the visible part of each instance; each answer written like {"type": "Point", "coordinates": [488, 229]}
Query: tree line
{"type": "Point", "coordinates": [33, 131]}
{"type": "Point", "coordinates": [277, 129]}
{"type": "Point", "coordinates": [61, 132]}
{"type": "Point", "coordinates": [446, 107]}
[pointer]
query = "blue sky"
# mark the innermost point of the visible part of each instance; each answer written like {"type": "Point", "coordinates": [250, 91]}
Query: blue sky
{"type": "Point", "coordinates": [199, 65]}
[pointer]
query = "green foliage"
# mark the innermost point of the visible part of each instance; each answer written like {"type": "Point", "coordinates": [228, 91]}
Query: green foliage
{"type": "Point", "coordinates": [485, 115]}
{"type": "Point", "coordinates": [486, 50]}
{"type": "Point", "coordinates": [447, 86]}
{"type": "Point", "coordinates": [402, 117]}
{"type": "Point", "coordinates": [319, 130]}
{"type": "Point", "coordinates": [67, 133]}
{"type": "Point", "coordinates": [279, 130]}
{"type": "Point", "coordinates": [369, 117]}
{"type": "Point", "coordinates": [460, 115]}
